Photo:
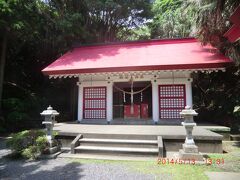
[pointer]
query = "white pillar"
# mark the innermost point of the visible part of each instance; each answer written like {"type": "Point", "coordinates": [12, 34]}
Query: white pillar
{"type": "Point", "coordinates": [189, 92]}
{"type": "Point", "coordinates": [109, 102]}
{"type": "Point", "coordinates": [155, 102]}
{"type": "Point", "coordinates": [80, 102]}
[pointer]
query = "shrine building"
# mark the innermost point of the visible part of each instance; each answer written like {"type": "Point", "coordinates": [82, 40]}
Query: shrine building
{"type": "Point", "coordinates": [149, 80]}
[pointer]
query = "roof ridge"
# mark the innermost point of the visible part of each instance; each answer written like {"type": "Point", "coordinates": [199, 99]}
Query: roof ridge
{"type": "Point", "coordinates": [138, 42]}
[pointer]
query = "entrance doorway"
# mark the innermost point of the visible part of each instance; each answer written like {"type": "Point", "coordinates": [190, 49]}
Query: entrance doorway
{"type": "Point", "coordinates": [140, 108]}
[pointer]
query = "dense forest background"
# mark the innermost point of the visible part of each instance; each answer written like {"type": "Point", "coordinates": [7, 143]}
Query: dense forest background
{"type": "Point", "coordinates": [33, 33]}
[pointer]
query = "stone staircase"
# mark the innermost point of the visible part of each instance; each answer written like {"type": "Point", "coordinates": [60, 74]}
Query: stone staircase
{"type": "Point", "coordinates": [120, 145]}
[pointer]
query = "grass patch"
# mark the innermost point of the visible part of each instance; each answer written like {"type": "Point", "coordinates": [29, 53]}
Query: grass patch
{"type": "Point", "coordinates": [176, 171]}
{"type": "Point", "coordinates": [168, 171]}
{"type": "Point", "coordinates": [231, 159]}
{"type": "Point", "coordinates": [230, 163]}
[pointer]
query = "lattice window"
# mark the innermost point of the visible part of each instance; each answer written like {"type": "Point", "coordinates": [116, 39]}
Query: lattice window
{"type": "Point", "coordinates": [172, 99]}
{"type": "Point", "coordinates": [94, 102]}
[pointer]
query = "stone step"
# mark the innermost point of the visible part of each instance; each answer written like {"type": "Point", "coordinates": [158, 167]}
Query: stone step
{"type": "Point", "coordinates": [102, 149]}
{"type": "Point", "coordinates": [65, 149]}
{"type": "Point", "coordinates": [118, 141]}
{"type": "Point", "coordinates": [119, 136]}
{"type": "Point", "coordinates": [123, 157]}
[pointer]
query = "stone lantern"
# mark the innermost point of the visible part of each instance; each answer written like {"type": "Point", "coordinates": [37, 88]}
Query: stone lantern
{"type": "Point", "coordinates": [190, 150]}
{"type": "Point", "coordinates": [49, 120]}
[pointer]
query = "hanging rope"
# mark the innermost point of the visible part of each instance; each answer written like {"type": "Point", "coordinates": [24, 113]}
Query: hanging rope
{"type": "Point", "coordinates": [127, 92]}
{"type": "Point", "coordinates": [131, 93]}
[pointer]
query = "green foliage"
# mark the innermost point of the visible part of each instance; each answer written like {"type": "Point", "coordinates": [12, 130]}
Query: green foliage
{"type": "Point", "coordinates": [17, 115]}
{"type": "Point", "coordinates": [39, 31]}
{"type": "Point", "coordinates": [236, 111]}
{"type": "Point", "coordinates": [236, 123]}
{"type": "Point", "coordinates": [139, 33]}
{"type": "Point", "coordinates": [170, 20]}
{"type": "Point", "coordinates": [28, 143]}
{"type": "Point", "coordinates": [41, 143]}
{"type": "Point", "coordinates": [216, 94]}
{"type": "Point", "coordinates": [31, 152]}
{"type": "Point", "coordinates": [212, 21]}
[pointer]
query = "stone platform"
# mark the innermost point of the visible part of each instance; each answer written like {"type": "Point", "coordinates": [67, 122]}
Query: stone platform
{"type": "Point", "coordinates": [173, 136]}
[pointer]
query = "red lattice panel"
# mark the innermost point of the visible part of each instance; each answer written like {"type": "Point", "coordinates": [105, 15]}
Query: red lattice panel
{"type": "Point", "coordinates": [172, 100]}
{"type": "Point", "coordinates": [94, 102]}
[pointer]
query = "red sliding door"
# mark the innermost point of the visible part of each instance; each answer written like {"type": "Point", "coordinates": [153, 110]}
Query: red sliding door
{"type": "Point", "coordinates": [94, 102]}
{"type": "Point", "coordinates": [172, 100]}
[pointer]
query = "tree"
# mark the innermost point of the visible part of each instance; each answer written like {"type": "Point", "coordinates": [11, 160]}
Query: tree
{"type": "Point", "coordinates": [170, 20]}
{"type": "Point", "coordinates": [12, 23]}
{"type": "Point", "coordinates": [36, 32]}
{"type": "Point", "coordinates": [212, 21]}
{"type": "Point", "coordinates": [216, 94]}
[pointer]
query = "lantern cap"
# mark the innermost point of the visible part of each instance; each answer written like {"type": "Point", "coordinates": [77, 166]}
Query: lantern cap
{"type": "Point", "coordinates": [188, 111]}
{"type": "Point", "coordinates": [49, 111]}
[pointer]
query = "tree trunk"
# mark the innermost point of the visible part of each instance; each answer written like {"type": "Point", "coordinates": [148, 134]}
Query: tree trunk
{"type": "Point", "coordinates": [2, 65]}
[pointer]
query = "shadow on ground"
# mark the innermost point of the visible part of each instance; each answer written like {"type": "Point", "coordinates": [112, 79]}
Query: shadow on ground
{"type": "Point", "coordinates": [236, 144]}
{"type": "Point", "coordinates": [44, 169]}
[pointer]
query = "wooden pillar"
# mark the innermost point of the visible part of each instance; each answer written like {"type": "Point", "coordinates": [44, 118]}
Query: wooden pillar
{"type": "Point", "coordinates": [109, 102]}
{"type": "Point", "coordinates": [189, 92]}
{"type": "Point", "coordinates": [155, 102]}
{"type": "Point", "coordinates": [80, 102]}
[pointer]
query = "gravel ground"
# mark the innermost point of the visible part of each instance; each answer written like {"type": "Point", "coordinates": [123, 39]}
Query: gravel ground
{"type": "Point", "coordinates": [61, 168]}
{"type": "Point", "coordinates": [3, 150]}
{"type": "Point", "coordinates": [65, 169]}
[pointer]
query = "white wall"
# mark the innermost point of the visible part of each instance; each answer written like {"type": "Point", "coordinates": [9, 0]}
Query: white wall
{"type": "Point", "coordinates": [181, 78]}
{"type": "Point", "coordinates": [107, 84]}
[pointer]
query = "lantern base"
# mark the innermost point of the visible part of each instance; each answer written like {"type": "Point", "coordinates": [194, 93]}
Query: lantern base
{"type": "Point", "coordinates": [53, 149]}
{"type": "Point", "coordinates": [190, 148]}
{"type": "Point", "coordinates": [190, 156]}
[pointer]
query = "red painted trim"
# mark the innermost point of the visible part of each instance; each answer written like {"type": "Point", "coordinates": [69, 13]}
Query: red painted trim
{"type": "Point", "coordinates": [171, 97]}
{"type": "Point", "coordinates": [94, 98]}
{"type": "Point", "coordinates": [171, 108]}
{"type": "Point", "coordinates": [175, 97]}
{"type": "Point", "coordinates": [235, 17]}
{"type": "Point", "coordinates": [139, 68]}
{"type": "Point", "coordinates": [233, 34]}
{"type": "Point", "coordinates": [105, 99]}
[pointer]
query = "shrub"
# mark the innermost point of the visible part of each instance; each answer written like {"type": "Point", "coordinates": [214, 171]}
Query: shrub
{"type": "Point", "coordinates": [28, 143]}
{"type": "Point", "coordinates": [236, 121]}
{"type": "Point", "coordinates": [31, 152]}
{"type": "Point", "coordinates": [20, 113]}
{"type": "Point", "coordinates": [42, 143]}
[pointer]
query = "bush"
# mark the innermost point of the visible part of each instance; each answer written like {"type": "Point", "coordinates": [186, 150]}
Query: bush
{"type": "Point", "coordinates": [20, 113]}
{"type": "Point", "coordinates": [42, 144]}
{"type": "Point", "coordinates": [235, 126]}
{"type": "Point", "coordinates": [28, 143]}
{"type": "Point", "coordinates": [31, 152]}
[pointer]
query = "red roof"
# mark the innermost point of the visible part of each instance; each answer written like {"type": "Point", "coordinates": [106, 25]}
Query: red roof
{"type": "Point", "coordinates": [233, 34]}
{"type": "Point", "coordinates": [137, 56]}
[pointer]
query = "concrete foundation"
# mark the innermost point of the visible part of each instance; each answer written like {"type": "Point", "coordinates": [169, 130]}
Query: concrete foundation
{"type": "Point", "coordinates": [173, 136]}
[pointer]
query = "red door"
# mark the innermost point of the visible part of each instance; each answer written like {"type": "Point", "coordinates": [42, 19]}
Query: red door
{"type": "Point", "coordinates": [132, 111]}
{"type": "Point", "coordinates": [144, 111]}
{"type": "Point", "coordinates": [172, 100]}
{"type": "Point", "coordinates": [94, 102]}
